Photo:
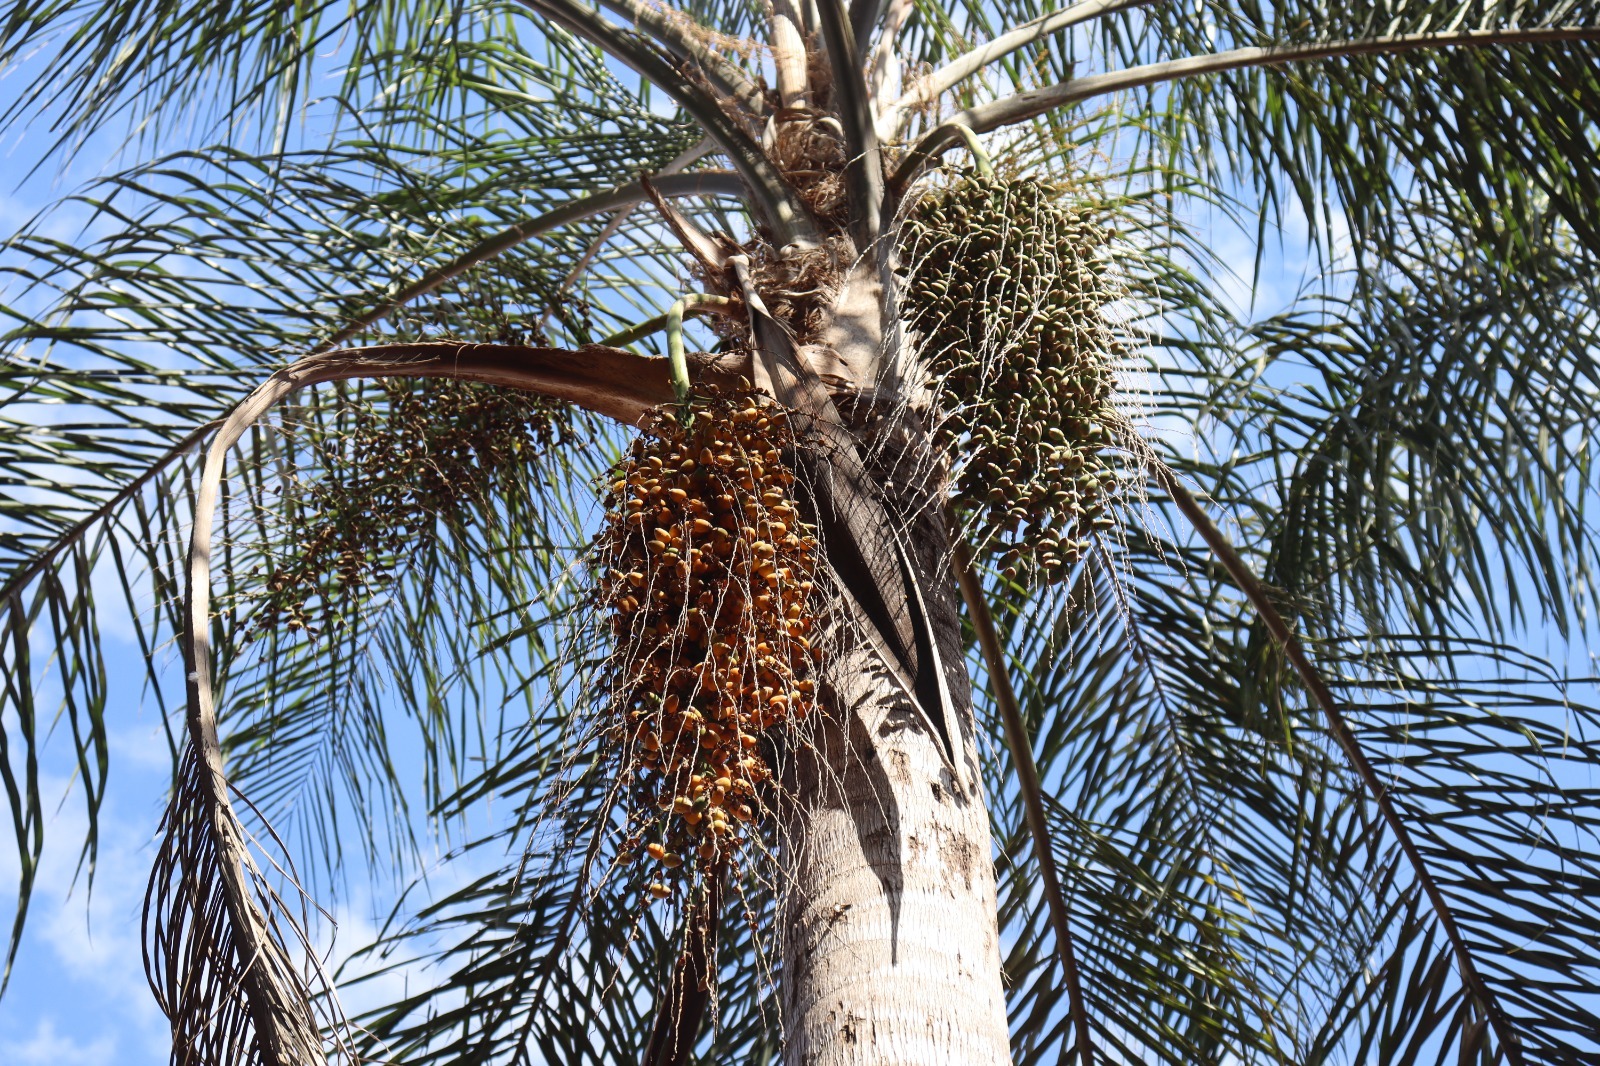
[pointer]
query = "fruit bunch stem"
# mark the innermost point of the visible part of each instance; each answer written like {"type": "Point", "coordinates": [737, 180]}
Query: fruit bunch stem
{"type": "Point", "coordinates": [980, 157]}
{"type": "Point", "coordinates": [675, 352]}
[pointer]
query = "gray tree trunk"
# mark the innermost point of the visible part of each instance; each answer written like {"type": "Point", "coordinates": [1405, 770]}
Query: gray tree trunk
{"type": "Point", "coordinates": [890, 945]}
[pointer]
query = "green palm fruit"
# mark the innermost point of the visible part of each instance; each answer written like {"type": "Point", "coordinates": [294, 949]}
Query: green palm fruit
{"type": "Point", "coordinates": [1004, 287]}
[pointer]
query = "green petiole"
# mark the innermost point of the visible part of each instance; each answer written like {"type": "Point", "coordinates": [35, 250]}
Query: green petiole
{"type": "Point", "coordinates": [672, 322]}
{"type": "Point", "coordinates": [980, 158]}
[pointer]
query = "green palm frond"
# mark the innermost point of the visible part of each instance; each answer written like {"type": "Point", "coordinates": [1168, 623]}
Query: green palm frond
{"type": "Point", "coordinates": [316, 713]}
{"type": "Point", "coordinates": [1435, 466]}
{"type": "Point", "coordinates": [150, 65]}
{"type": "Point", "coordinates": [1477, 136]}
{"type": "Point", "coordinates": [1190, 840]}
{"type": "Point", "coordinates": [1487, 750]}
{"type": "Point", "coordinates": [207, 266]}
{"type": "Point", "coordinates": [1232, 893]}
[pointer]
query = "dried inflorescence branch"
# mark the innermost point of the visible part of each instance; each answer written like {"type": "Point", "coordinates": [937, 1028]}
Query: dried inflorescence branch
{"type": "Point", "coordinates": [421, 457]}
{"type": "Point", "coordinates": [808, 149]}
{"type": "Point", "coordinates": [709, 576]}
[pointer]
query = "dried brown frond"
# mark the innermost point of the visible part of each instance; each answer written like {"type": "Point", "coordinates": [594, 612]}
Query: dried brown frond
{"type": "Point", "coordinates": [217, 944]}
{"type": "Point", "coordinates": [819, 75]}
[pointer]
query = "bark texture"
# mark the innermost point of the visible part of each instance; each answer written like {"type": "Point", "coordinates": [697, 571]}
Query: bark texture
{"type": "Point", "coordinates": [891, 953]}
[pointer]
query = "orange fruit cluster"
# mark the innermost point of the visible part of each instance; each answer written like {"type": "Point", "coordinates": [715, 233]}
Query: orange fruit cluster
{"type": "Point", "coordinates": [708, 573]}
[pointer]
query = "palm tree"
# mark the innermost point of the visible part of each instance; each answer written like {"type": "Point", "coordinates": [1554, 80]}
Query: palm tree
{"type": "Point", "coordinates": [1264, 759]}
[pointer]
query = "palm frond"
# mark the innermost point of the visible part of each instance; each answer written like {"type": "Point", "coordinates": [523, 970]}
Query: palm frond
{"type": "Point", "coordinates": [1448, 453]}
{"type": "Point", "coordinates": [218, 946]}
{"type": "Point", "coordinates": [205, 255]}
{"type": "Point", "coordinates": [154, 62]}
{"type": "Point", "coordinates": [212, 934]}
{"type": "Point", "coordinates": [1486, 751]}
{"type": "Point", "coordinates": [1403, 456]}
{"type": "Point", "coordinates": [1193, 841]}
{"type": "Point", "coordinates": [1233, 897]}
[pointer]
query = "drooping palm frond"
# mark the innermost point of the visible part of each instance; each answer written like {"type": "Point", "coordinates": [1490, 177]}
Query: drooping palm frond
{"type": "Point", "coordinates": [1451, 459]}
{"type": "Point", "coordinates": [1486, 750]}
{"type": "Point", "coordinates": [1197, 783]}
{"type": "Point", "coordinates": [151, 65]}
{"type": "Point", "coordinates": [1484, 512]}
{"type": "Point", "coordinates": [1413, 1004]}
{"type": "Point", "coordinates": [222, 257]}
{"type": "Point", "coordinates": [218, 948]}
{"type": "Point", "coordinates": [1203, 931]}
{"type": "Point", "coordinates": [215, 930]}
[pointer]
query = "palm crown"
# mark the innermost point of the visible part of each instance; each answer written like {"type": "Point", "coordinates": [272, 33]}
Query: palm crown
{"type": "Point", "coordinates": [1297, 792]}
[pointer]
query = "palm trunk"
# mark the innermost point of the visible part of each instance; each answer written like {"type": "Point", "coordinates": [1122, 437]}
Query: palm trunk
{"type": "Point", "coordinates": [891, 947]}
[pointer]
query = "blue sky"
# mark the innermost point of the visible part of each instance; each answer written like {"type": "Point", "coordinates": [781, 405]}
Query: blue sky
{"type": "Point", "coordinates": [78, 996]}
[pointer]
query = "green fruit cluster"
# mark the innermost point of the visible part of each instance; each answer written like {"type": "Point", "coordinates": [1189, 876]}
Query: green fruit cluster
{"type": "Point", "coordinates": [1005, 289]}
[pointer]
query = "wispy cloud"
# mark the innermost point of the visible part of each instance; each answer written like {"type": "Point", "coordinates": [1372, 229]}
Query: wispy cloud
{"type": "Point", "coordinates": [80, 981]}
{"type": "Point", "coordinates": [46, 1047]}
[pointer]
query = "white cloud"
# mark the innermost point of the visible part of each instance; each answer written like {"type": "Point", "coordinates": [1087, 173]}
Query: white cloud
{"type": "Point", "coordinates": [48, 1048]}
{"type": "Point", "coordinates": [96, 940]}
{"type": "Point", "coordinates": [82, 961]}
